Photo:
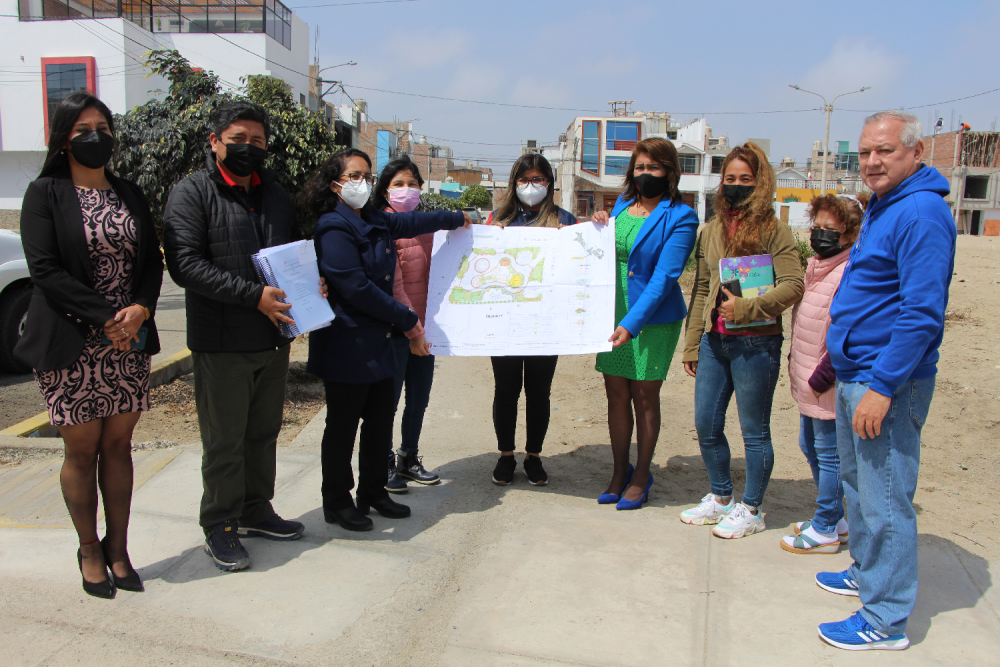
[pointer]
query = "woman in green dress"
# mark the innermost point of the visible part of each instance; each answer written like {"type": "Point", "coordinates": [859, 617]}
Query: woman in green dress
{"type": "Point", "coordinates": [654, 236]}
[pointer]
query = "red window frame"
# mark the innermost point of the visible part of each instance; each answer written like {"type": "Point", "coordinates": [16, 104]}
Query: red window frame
{"type": "Point", "coordinates": [89, 61]}
{"type": "Point", "coordinates": [600, 146]}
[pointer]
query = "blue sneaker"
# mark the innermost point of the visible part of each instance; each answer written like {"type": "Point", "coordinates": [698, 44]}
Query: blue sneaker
{"type": "Point", "coordinates": [274, 528]}
{"type": "Point", "coordinates": [837, 582]}
{"type": "Point", "coordinates": [855, 634]}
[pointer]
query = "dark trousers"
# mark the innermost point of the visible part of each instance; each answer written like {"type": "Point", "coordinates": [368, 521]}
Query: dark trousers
{"type": "Point", "coordinates": [240, 399]}
{"type": "Point", "coordinates": [535, 375]}
{"type": "Point", "coordinates": [416, 373]}
{"type": "Point", "coordinates": [346, 405]}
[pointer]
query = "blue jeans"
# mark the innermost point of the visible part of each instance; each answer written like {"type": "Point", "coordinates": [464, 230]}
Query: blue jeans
{"type": "Point", "coordinates": [880, 478]}
{"type": "Point", "coordinates": [748, 366]}
{"type": "Point", "coordinates": [818, 440]}
{"type": "Point", "coordinates": [417, 373]}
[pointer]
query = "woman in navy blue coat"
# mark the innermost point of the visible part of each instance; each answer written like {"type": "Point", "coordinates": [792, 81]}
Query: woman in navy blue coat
{"type": "Point", "coordinates": [354, 355]}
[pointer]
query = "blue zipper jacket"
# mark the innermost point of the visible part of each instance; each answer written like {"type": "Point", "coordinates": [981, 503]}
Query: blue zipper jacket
{"type": "Point", "coordinates": [657, 258]}
{"type": "Point", "coordinates": [888, 314]}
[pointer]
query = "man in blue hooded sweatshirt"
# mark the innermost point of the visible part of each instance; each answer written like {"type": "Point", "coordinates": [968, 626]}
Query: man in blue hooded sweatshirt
{"type": "Point", "coordinates": [887, 323]}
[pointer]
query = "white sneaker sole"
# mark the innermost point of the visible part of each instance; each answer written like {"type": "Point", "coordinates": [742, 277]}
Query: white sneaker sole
{"type": "Point", "coordinates": [702, 520]}
{"type": "Point", "coordinates": [499, 483]}
{"type": "Point", "coordinates": [226, 567]}
{"type": "Point", "coordinates": [885, 645]}
{"type": "Point", "coordinates": [737, 534]}
{"type": "Point", "coordinates": [839, 591]}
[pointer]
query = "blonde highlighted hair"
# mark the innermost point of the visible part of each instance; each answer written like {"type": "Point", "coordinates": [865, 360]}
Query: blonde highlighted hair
{"type": "Point", "coordinates": [756, 215]}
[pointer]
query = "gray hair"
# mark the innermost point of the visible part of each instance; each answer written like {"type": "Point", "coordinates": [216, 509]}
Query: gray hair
{"type": "Point", "coordinates": [912, 131]}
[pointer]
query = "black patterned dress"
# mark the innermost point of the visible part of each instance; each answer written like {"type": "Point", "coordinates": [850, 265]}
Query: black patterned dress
{"type": "Point", "coordinates": [103, 381]}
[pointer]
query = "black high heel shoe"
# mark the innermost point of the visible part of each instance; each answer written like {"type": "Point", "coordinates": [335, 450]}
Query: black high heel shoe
{"type": "Point", "coordinates": [387, 507]}
{"type": "Point", "coordinates": [132, 582]}
{"type": "Point", "coordinates": [102, 589]}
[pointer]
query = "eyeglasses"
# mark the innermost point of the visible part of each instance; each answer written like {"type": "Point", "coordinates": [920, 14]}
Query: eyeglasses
{"type": "Point", "coordinates": [537, 180]}
{"type": "Point", "coordinates": [357, 178]}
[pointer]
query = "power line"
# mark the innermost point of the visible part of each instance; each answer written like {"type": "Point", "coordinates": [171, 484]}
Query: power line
{"type": "Point", "coordinates": [924, 106]}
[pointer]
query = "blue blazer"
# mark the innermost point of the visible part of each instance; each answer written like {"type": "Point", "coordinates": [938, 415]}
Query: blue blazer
{"type": "Point", "coordinates": [357, 257]}
{"type": "Point", "coordinates": [655, 262]}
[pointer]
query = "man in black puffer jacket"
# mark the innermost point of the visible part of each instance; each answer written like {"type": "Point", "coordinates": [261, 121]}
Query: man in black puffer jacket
{"type": "Point", "coordinates": [214, 221]}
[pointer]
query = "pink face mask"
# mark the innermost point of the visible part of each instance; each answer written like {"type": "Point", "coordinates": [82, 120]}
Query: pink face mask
{"type": "Point", "coordinates": [404, 200]}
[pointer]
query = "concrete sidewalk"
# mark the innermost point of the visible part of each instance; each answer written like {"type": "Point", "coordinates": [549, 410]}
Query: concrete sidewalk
{"type": "Point", "coordinates": [480, 575]}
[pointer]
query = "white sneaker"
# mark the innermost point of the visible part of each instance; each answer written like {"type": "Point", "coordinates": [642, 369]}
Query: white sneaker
{"type": "Point", "coordinates": [842, 533]}
{"type": "Point", "coordinates": [740, 523]}
{"type": "Point", "coordinates": [708, 512]}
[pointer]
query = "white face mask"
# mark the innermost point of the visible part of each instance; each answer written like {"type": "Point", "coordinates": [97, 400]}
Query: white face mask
{"type": "Point", "coordinates": [531, 194]}
{"type": "Point", "coordinates": [355, 193]}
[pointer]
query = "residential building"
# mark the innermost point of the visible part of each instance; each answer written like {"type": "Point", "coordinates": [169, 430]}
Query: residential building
{"type": "Point", "coordinates": [433, 160]}
{"type": "Point", "coordinates": [596, 151]}
{"type": "Point", "coordinates": [53, 47]}
{"type": "Point", "coordinates": [971, 163]}
{"type": "Point", "coordinates": [471, 175]}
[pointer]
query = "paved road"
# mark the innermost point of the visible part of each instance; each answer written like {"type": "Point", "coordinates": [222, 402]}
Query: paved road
{"type": "Point", "coordinates": [19, 396]}
{"type": "Point", "coordinates": [480, 575]}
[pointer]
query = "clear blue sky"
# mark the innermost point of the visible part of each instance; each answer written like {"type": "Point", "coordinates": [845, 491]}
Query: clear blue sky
{"type": "Point", "coordinates": [681, 57]}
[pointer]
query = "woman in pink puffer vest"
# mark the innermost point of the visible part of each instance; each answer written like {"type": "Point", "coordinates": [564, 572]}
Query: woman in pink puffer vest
{"type": "Point", "coordinates": [836, 221]}
{"type": "Point", "coordinates": [398, 191]}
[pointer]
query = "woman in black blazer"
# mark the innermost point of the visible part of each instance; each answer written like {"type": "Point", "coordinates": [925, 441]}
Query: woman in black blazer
{"type": "Point", "coordinates": [354, 355]}
{"type": "Point", "coordinates": [96, 267]}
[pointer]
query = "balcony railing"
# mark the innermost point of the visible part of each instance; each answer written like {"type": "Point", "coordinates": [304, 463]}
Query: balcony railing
{"type": "Point", "coordinates": [182, 16]}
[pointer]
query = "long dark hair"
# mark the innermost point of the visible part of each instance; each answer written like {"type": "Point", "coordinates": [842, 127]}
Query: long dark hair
{"type": "Point", "coordinates": [662, 152]}
{"type": "Point", "coordinates": [61, 126]}
{"type": "Point", "coordinates": [510, 205]}
{"type": "Point", "coordinates": [757, 219]}
{"type": "Point", "coordinates": [380, 199]}
{"type": "Point", "coordinates": [316, 194]}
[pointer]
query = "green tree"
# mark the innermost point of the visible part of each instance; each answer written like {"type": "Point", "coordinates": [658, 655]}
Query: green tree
{"type": "Point", "coordinates": [475, 196]}
{"type": "Point", "coordinates": [436, 202]}
{"type": "Point", "coordinates": [163, 141]}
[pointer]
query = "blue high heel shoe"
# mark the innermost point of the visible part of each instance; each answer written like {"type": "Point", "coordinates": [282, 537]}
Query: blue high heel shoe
{"type": "Point", "coordinates": [609, 498]}
{"type": "Point", "coordinates": [635, 504]}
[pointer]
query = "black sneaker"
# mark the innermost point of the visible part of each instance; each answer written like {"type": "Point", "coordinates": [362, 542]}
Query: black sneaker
{"type": "Point", "coordinates": [411, 467]}
{"type": "Point", "coordinates": [535, 472]}
{"type": "Point", "coordinates": [222, 543]}
{"type": "Point", "coordinates": [275, 528]}
{"type": "Point", "coordinates": [503, 474]}
{"type": "Point", "coordinates": [396, 483]}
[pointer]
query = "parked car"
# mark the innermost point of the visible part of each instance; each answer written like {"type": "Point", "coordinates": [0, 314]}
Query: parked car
{"type": "Point", "coordinates": [15, 293]}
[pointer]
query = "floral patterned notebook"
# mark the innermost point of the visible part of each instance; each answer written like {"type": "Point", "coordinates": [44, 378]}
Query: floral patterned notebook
{"type": "Point", "coordinates": [756, 276]}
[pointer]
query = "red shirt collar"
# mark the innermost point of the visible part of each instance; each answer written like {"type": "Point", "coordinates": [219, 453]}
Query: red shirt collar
{"type": "Point", "coordinates": [254, 179]}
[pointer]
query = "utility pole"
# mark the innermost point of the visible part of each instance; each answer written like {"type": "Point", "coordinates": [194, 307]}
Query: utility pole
{"type": "Point", "coordinates": [828, 108]}
{"type": "Point", "coordinates": [957, 178]}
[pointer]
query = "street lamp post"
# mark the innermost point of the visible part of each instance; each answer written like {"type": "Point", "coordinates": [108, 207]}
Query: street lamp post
{"type": "Point", "coordinates": [321, 81]}
{"type": "Point", "coordinates": [828, 108]}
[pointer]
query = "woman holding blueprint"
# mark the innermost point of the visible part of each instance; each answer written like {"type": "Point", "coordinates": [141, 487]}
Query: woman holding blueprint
{"type": "Point", "coordinates": [748, 274]}
{"type": "Point", "coordinates": [354, 355]}
{"type": "Point", "coordinates": [528, 202]}
{"type": "Point", "coordinates": [654, 235]}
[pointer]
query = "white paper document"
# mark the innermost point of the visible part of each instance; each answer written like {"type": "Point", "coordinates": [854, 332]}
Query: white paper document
{"type": "Point", "coordinates": [497, 291]}
{"type": "Point", "coordinates": [292, 267]}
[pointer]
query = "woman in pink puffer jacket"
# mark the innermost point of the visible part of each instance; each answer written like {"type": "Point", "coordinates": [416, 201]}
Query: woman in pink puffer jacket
{"type": "Point", "coordinates": [836, 221]}
{"type": "Point", "coordinates": [398, 191]}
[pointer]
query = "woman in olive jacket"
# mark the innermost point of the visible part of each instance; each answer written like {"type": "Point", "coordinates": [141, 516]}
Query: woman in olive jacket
{"type": "Point", "coordinates": [96, 267]}
{"type": "Point", "coordinates": [724, 354]}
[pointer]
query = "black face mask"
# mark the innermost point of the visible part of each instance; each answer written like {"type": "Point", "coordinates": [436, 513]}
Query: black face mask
{"type": "Point", "coordinates": [736, 194]}
{"type": "Point", "coordinates": [244, 159]}
{"type": "Point", "coordinates": [92, 149]}
{"type": "Point", "coordinates": [825, 242]}
{"type": "Point", "coordinates": [651, 186]}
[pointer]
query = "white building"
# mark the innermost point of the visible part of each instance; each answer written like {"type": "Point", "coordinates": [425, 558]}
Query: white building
{"type": "Point", "coordinates": [596, 151]}
{"type": "Point", "coordinates": [53, 47]}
